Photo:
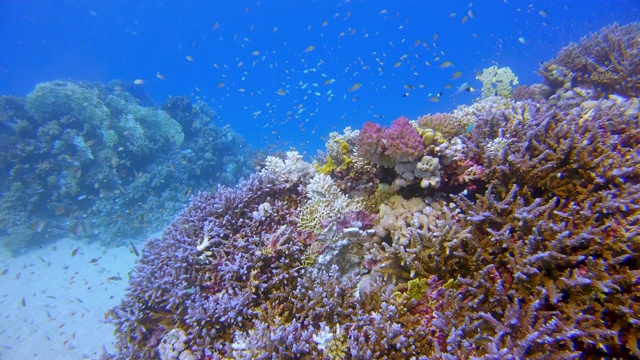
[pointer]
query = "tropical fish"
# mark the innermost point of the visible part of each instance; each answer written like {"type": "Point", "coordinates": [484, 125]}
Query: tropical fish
{"type": "Point", "coordinates": [135, 250]}
{"type": "Point", "coordinates": [355, 87]}
{"type": "Point", "coordinates": [75, 251]}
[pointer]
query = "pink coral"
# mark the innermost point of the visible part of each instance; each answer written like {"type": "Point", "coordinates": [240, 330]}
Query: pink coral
{"type": "Point", "coordinates": [370, 141]}
{"type": "Point", "coordinates": [403, 141]}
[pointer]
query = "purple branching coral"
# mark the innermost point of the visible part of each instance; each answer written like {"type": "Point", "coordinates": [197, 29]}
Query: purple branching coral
{"type": "Point", "coordinates": [217, 260]}
{"type": "Point", "coordinates": [606, 61]}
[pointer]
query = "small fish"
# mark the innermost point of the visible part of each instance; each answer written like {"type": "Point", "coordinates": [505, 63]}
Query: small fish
{"type": "Point", "coordinates": [190, 58]}
{"type": "Point", "coordinates": [309, 48]}
{"type": "Point", "coordinates": [188, 192]}
{"type": "Point", "coordinates": [319, 194]}
{"type": "Point", "coordinates": [522, 40]}
{"type": "Point", "coordinates": [543, 13]}
{"type": "Point", "coordinates": [434, 98]}
{"type": "Point", "coordinates": [138, 82]}
{"type": "Point", "coordinates": [281, 92]}
{"type": "Point", "coordinates": [471, 14]}
{"type": "Point", "coordinates": [135, 250]}
{"type": "Point", "coordinates": [220, 85]}
{"type": "Point", "coordinates": [456, 74]}
{"type": "Point", "coordinates": [42, 259]}
{"type": "Point", "coordinates": [160, 76]}
{"type": "Point", "coordinates": [445, 64]}
{"type": "Point", "coordinates": [80, 300]}
{"type": "Point", "coordinates": [464, 19]}
{"type": "Point", "coordinates": [115, 278]}
{"type": "Point", "coordinates": [383, 11]}
{"type": "Point", "coordinates": [255, 53]}
{"type": "Point", "coordinates": [355, 87]}
{"type": "Point", "coordinates": [324, 23]}
{"type": "Point", "coordinates": [465, 87]}
{"type": "Point", "coordinates": [215, 26]}
{"type": "Point", "coordinates": [23, 302]}
{"type": "Point", "coordinates": [408, 86]}
{"type": "Point", "coordinates": [75, 251]}
{"type": "Point", "coordinates": [5, 271]}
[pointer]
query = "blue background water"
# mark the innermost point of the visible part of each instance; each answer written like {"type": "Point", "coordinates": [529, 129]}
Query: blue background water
{"type": "Point", "coordinates": [105, 40]}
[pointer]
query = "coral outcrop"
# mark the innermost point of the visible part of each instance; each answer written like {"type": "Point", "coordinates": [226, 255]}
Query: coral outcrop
{"type": "Point", "coordinates": [527, 247]}
{"type": "Point", "coordinates": [89, 160]}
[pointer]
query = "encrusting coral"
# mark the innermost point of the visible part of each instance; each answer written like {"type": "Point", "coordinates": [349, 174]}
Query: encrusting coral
{"type": "Point", "coordinates": [528, 248]}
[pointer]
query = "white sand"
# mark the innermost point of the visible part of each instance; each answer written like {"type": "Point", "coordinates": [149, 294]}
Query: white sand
{"type": "Point", "coordinates": [65, 300]}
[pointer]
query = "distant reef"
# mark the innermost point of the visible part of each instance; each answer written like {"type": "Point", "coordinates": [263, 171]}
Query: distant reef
{"type": "Point", "coordinates": [505, 229]}
{"type": "Point", "coordinates": [102, 161]}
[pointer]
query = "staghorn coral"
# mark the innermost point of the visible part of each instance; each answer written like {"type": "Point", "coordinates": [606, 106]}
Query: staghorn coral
{"type": "Point", "coordinates": [605, 61]}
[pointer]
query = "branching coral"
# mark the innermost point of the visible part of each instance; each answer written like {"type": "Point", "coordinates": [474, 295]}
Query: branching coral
{"type": "Point", "coordinates": [605, 61]}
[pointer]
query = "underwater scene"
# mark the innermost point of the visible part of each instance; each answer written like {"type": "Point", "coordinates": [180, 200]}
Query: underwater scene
{"type": "Point", "coordinates": [335, 179]}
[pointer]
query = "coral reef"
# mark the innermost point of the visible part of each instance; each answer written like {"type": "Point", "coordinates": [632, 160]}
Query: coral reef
{"type": "Point", "coordinates": [89, 160]}
{"type": "Point", "coordinates": [528, 246]}
{"type": "Point", "coordinates": [605, 61]}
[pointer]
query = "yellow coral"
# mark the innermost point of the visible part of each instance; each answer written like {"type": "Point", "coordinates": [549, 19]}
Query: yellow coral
{"type": "Point", "coordinates": [327, 168]}
{"type": "Point", "coordinates": [497, 82]}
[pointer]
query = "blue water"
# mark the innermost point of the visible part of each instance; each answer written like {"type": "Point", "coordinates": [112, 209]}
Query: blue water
{"type": "Point", "coordinates": [105, 40]}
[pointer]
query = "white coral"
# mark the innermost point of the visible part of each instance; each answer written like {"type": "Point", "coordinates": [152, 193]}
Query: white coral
{"type": "Point", "coordinates": [291, 169]}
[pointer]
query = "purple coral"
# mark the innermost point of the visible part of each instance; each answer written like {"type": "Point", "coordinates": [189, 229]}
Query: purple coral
{"type": "Point", "coordinates": [403, 141]}
{"type": "Point", "coordinates": [606, 61]}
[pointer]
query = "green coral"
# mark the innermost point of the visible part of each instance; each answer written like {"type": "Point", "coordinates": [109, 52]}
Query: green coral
{"type": "Point", "coordinates": [416, 288]}
{"type": "Point", "coordinates": [497, 82]}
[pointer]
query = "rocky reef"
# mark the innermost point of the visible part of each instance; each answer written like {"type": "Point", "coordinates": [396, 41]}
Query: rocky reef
{"type": "Point", "coordinates": [509, 228]}
{"type": "Point", "coordinates": [100, 161]}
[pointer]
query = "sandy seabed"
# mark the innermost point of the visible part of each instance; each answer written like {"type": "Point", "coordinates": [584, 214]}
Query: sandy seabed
{"type": "Point", "coordinates": [53, 304]}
